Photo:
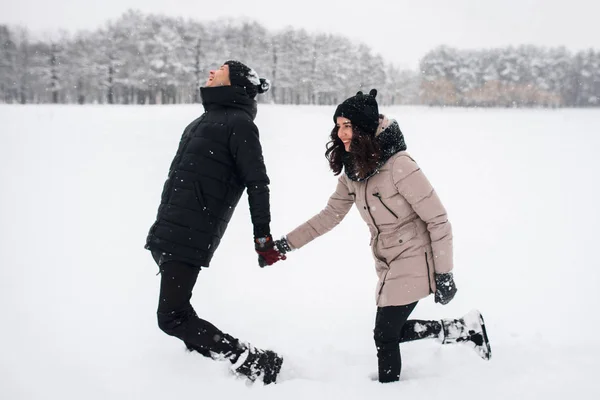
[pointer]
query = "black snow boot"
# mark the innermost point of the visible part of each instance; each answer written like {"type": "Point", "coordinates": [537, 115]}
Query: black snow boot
{"type": "Point", "coordinates": [469, 329]}
{"type": "Point", "coordinates": [224, 347]}
{"type": "Point", "coordinates": [256, 364]}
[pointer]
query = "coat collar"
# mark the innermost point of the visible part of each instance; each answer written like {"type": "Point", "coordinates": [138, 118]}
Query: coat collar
{"type": "Point", "coordinates": [228, 97]}
{"type": "Point", "coordinates": [390, 139]}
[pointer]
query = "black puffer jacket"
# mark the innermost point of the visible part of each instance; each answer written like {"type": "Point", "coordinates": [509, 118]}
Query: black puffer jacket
{"type": "Point", "coordinates": [218, 156]}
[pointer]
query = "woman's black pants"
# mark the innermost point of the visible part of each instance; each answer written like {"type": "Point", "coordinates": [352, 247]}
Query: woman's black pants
{"type": "Point", "coordinates": [392, 327]}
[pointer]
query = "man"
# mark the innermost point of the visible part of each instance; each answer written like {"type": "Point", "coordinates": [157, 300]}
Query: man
{"type": "Point", "coordinates": [218, 156]}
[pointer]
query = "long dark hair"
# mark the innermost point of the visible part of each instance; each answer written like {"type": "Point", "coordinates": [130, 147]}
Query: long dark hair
{"type": "Point", "coordinates": [364, 150]}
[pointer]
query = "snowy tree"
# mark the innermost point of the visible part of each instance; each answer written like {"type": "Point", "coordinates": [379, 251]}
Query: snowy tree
{"type": "Point", "coordinates": [402, 87]}
{"type": "Point", "coordinates": [194, 64]}
{"type": "Point", "coordinates": [8, 66]}
{"type": "Point", "coordinates": [467, 76]}
{"type": "Point", "coordinates": [439, 69]}
{"type": "Point", "coordinates": [370, 70]}
{"type": "Point", "coordinates": [283, 66]}
{"type": "Point", "coordinates": [587, 77]}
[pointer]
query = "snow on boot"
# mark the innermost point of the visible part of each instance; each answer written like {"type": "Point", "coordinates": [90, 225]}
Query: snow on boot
{"type": "Point", "coordinates": [191, 348]}
{"type": "Point", "coordinates": [256, 364]}
{"type": "Point", "coordinates": [469, 329]}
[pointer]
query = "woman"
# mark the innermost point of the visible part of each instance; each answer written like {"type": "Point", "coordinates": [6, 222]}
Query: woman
{"type": "Point", "coordinates": [411, 237]}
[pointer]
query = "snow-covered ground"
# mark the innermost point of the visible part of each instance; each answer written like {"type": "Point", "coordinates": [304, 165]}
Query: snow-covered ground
{"type": "Point", "coordinates": [79, 188]}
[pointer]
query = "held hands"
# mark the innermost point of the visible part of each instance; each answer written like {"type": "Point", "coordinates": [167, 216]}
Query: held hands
{"type": "Point", "coordinates": [269, 252]}
{"type": "Point", "coordinates": [283, 245]}
{"type": "Point", "coordinates": [446, 288]}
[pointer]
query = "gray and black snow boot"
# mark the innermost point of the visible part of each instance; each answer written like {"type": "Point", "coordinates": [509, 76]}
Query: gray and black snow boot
{"type": "Point", "coordinates": [256, 364]}
{"type": "Point", "coordinates": [469, 329]}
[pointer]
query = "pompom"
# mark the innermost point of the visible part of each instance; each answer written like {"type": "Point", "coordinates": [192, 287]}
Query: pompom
{"type": "Point", "coordinates": [264, 86]}
{"type": "Point", "coordinates": [252, 76]}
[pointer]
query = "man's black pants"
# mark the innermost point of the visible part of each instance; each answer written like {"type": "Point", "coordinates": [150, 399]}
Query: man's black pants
{"type": "Point", "coordinates": [177, 317]}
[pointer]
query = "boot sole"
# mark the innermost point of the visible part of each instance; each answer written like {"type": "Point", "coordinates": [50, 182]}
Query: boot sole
{"type": "Point", "coordinates": [272, 378]}
{"type": "Point", "coordinates": [486, 341]}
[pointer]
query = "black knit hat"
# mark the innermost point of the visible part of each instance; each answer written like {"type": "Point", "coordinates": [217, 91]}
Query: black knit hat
{"type": "Point", "coordinates": [244, 76]}
{"type": "Point", "coordinates": [362, 110]}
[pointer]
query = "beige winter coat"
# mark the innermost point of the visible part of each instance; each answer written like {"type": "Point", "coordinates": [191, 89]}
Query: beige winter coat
{"type": "Point", "coordinates": [411, 237]}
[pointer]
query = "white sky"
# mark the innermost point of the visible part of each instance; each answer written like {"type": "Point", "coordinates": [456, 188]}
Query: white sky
{"type": "Point", "coordinates": [401, 30]}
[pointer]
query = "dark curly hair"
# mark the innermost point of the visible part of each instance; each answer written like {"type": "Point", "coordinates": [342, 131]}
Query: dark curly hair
{"type": "Point", "coordinates": [364, 150]}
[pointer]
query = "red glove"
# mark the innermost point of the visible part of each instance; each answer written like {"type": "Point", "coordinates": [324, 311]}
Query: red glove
{"type": "Point", "coordinates": [268, 254]}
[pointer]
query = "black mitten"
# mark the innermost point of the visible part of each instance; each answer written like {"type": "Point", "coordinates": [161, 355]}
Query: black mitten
{"type": "Point", "coordinates": [446, 288]}
{"type": "Point", "coordinates": [283, 246]}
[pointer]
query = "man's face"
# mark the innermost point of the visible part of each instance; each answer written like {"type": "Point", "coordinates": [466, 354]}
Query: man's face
{"type": "Point", "coordinates": [219, 77]}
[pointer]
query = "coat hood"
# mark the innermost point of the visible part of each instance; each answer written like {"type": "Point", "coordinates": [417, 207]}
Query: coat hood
{"type": "Point", "coordinates": [390, 139]}
{"type": "Point", "coordinates": [228, 96]}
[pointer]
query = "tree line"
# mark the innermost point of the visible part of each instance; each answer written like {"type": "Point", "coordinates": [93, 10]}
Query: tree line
{"type": "Point", "coordinates": [153, 59]}
{"type": "Point", "coordinates": [525, 76]}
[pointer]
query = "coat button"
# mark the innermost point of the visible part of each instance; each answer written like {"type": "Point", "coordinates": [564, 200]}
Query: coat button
{"type": "Point", "coordinates": [400, 241]}
{"type": "Point", "coordinates": [365, 207]}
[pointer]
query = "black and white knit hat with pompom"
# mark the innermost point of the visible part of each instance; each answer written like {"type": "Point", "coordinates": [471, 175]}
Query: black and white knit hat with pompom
{"type": "Point", "coordinates": [244, 76]}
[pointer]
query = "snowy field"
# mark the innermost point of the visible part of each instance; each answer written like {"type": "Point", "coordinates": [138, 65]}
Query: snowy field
{"type": "Point", "coordinates": [79, 188]}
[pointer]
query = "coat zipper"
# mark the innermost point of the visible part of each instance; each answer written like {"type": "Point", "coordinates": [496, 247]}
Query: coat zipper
{"type": "Point", "coordinates": [369, 210]}
{"type": "Point", "coordinates": [383, 204]}
{"type": "Point", "coordinates": [376, 237]}
{"type": "Point", "coordinates": [177, 160]}
{"type": "Point", "coordinates": [428, 275]}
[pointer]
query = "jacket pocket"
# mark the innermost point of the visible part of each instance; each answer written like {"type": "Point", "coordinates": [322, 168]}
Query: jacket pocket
{"type": "Point", "coordinates": [428, 272]}
{"type": "Point", "coordinates": [199, 195]}
{"type": "Point", "coordinates": [398, 238]}
{"type": "Point", "coordinates": [378, 195]}
{"type": "Point", "coordinates": [382, 283]}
